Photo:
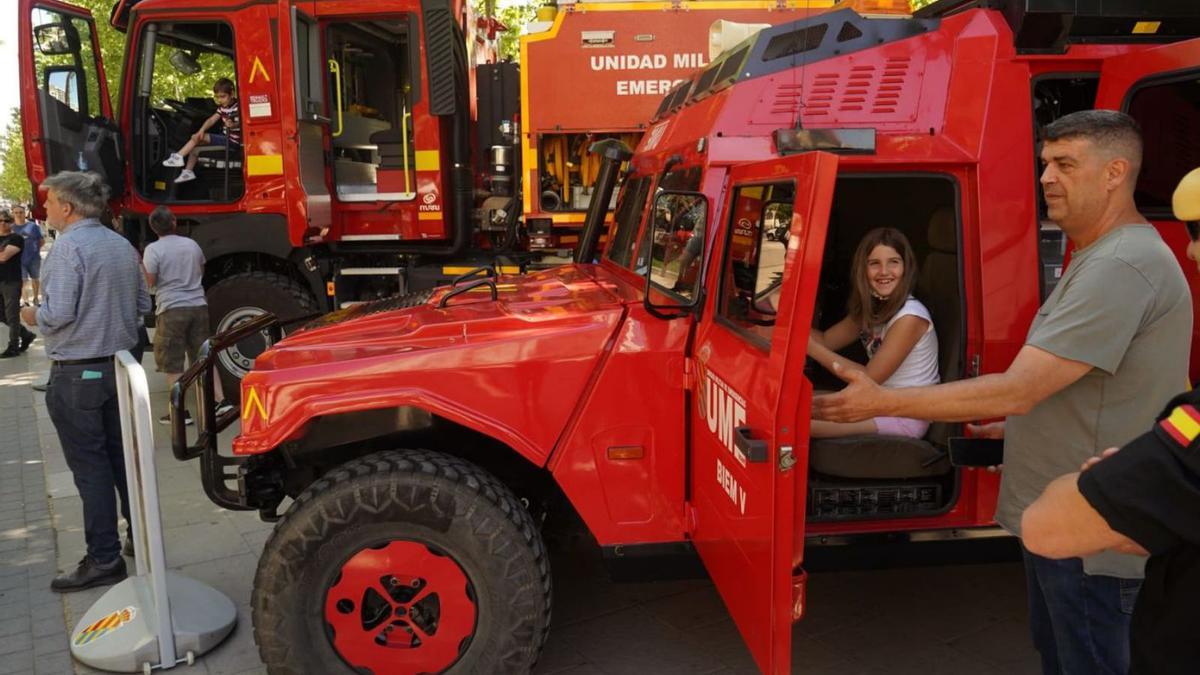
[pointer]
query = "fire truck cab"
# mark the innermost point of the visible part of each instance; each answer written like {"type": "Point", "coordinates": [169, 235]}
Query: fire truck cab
{"type": "Point", "coordinates": [661, 388]}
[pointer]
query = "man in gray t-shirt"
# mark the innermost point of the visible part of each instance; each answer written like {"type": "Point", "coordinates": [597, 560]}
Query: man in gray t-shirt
{"type": "Point", "coordinates": [175, 268]}
{"type": "Point", "coordinates": [1107, 350]}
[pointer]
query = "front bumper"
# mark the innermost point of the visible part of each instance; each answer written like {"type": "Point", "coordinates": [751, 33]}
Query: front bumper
{"type": "Point", "coordinates": [253, 488]}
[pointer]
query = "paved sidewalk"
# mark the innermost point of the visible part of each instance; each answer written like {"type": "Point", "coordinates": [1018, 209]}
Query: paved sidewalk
{"type": "Point", "coordinates": [931, 620]}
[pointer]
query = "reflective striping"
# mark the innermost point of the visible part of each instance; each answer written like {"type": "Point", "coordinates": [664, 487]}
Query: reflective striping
{"type": "Point", "coordinates": [428, 160]}
{"type": "Point", "coordinates": [1183, 424]}
{"type": "Point", "coordinates": [370, 237]}
{"type": "Point", "coordinates": [264, 165]}
{"type": "Point", "coordinates": [367, 271]}
{"type": "Point", "coordinates": [456, 270]}
{"type": "Point", "coordinates": [252, 404]}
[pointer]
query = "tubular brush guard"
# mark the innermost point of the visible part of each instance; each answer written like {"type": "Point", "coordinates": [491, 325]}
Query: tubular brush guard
{"type": "Point", "coordinates": [213, 466]}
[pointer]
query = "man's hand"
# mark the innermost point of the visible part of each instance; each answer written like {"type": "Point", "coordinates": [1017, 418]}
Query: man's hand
{"type": "Point", "coordinates": [1093, 461]}
{"type": "Point", "coordinates": [992, 430]}
{"type": "Point", "coordinates": [29, 316]}
{"type": "Point", "coordinates": [862, 398]}
{"type": "Point", "coordinates": [198, 137]}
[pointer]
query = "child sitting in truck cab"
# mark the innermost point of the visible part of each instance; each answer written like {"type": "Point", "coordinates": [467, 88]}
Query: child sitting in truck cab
{"type": "Point", "coordinates": [228, 114]}
{"type": "Point", "coordinates": [895, 329]}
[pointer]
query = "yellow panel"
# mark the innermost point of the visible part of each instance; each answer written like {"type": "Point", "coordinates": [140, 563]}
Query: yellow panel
{"type": "Point", "coordinates": [1146, 27]}
{"type": "Point", "coordinates": [264, 165]}
{"type": "Point", "coordinates": [428, 160]}
{"type": "Point", "coordinates": [429, 215]}
{"type": "Point", "coordinates": [458, 269]}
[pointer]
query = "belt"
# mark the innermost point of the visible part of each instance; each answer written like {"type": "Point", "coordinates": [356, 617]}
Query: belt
{"type": "Point", "coordinates": [83, 362]}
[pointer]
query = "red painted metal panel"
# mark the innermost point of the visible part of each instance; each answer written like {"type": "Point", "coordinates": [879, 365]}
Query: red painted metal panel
{"type": "Point", "coordinates": [749, 523]}
{"type": "Point", "coordinates": [513, 369]}
{"type": "Point", "coordinates": [1118, 78]}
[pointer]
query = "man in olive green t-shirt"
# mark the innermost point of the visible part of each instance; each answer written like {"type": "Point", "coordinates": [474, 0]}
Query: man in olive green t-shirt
{"type": "Point", "coordinates": [1107, 350]}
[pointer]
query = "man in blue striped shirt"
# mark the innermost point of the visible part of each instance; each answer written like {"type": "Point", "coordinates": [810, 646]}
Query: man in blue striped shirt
{"type": "Point", "coordinates": [93, 294]}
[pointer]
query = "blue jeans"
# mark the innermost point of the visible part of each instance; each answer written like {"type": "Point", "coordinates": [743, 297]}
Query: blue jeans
{"type": "Point", "coordinates": [83, 408]}
{"type": "Point", "coordinates": [1080, 622]}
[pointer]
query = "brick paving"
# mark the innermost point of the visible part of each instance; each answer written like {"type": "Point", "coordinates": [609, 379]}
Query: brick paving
{"type": "Point", "coordinates": [928, 620]}
{"type": "Point", "coordinates": [33, 635]}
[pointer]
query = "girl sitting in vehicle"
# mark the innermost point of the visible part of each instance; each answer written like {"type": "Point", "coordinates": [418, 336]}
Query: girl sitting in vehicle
{"type": "Point", "coordinates": [894, 327]}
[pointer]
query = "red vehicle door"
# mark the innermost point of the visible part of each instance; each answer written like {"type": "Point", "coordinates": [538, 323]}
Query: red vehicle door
{"type": "Point", "coordinates": [1159, 87]}
{"type": "Point", "coordinates": [749, 430]}
{"type": "Point", "coordinates": [65, 109]}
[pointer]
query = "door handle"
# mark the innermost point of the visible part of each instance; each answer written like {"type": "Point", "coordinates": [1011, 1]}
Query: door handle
{"type": "Point", "coordinates": [755, 450]}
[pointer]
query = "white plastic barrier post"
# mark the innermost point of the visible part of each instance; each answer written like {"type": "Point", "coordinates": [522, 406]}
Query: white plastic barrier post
{"type": "Point", "coordinates": [133, 395]}
{"type": "Point", "coordinates": [133, 627]}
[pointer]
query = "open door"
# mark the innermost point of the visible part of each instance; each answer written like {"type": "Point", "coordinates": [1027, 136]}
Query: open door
{"type": "Point", "coordinates": [66, 116]}
{"type": "Point", "coordinates": [749, 435]}
{"type": "Point", "coordinates": [1160, 88]}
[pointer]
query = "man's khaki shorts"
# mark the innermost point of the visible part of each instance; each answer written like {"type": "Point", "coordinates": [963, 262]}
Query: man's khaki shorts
{"type": "Point", "coordinates": [179, 331]}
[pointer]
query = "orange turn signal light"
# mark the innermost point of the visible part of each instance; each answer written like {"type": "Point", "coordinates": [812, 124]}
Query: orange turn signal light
{"type": "Point", "coordinates": [622, 452]}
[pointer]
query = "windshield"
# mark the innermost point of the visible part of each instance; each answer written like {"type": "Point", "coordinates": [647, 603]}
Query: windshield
{"type": "Point", "coordinates": [630, 205]}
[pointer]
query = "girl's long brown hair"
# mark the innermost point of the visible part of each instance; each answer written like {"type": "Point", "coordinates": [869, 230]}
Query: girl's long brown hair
{"type": "Point", "coordinates": [863, 307]}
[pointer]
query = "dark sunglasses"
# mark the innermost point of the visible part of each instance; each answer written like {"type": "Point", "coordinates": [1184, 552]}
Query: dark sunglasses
{"type": "Point", "coordinates": [1193, 229]}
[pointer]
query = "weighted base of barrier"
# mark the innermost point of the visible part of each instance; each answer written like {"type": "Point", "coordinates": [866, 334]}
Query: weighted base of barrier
{"type": "Point", "coordinates": [120, 631]}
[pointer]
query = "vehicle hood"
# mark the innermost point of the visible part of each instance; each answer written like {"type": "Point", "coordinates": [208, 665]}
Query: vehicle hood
{"type": "Point", "coordinates": [516, 365]}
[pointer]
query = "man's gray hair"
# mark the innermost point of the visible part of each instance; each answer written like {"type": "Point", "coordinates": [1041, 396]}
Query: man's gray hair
{"type": "Point", "coordinates": [1114, 132]}
{"type": "Point", "coordinates": [85, 191]}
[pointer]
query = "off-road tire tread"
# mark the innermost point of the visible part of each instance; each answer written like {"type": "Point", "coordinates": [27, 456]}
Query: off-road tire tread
{"type": "Point", "coordinates": [289, 286]}
{"type": "Point", "coordinates": [280, 281]}
{"type": "Point", "coordinates": [307, 518]}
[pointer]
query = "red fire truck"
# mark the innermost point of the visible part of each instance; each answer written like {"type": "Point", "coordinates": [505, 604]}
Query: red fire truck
{"type": "Point", "coordinates": [381, 141]}
{"type": "Point", "coordinates": [619, 57]}
{"type": "Point", "coordinates": [665, 399]}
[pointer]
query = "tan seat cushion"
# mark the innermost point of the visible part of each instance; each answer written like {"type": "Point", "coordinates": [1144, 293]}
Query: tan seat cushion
{"type": "Point", "coordinates": [876, 457]}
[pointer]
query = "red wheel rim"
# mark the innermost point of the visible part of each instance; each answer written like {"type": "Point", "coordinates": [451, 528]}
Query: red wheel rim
{"type": "Point", "coordinates": [400, 608]}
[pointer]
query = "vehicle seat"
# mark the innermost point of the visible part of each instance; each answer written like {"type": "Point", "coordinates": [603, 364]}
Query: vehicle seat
{"type": "Point", "coordinates": [898, 457]}
{"type": "Point", "coordinates": [214, 156]}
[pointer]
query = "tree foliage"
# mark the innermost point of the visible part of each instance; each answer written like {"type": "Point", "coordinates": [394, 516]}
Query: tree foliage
{"type": "Point", "coordinates": [514, 17]}
{"type": "Point", "coordinates": [14, 182]}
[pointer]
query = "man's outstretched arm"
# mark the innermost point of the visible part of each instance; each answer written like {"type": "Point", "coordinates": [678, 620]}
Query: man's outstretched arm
{"type": "Point", "coordinates": [1033, 376]}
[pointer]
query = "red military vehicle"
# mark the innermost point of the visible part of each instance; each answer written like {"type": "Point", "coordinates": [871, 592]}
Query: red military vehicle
{"type": "Point", "coordinates": [666, 399]}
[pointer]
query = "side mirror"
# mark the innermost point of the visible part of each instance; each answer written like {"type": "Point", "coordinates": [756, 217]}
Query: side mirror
{"type": "Point", "coordinates": [54, 39]}
{"type": "Point", "coordinates": [184, 63]}
{"type": "Point", "coordinates": [63, 83]}
{"type": "Point", "coordinates": [673, 254]}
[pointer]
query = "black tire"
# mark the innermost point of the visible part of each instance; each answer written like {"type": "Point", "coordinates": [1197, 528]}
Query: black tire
{"type": "Point", "coordinates": [241, 297]}
{"type": "Point", "coordinates": [449, 507]}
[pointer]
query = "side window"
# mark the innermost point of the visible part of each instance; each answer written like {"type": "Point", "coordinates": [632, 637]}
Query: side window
{"type": "Point", "coordinates": [755, 250]}
{"type": "Point", "coordinates": [310, 101]}
{"type": "Point", "coordinates": [676, 242]}
{"type": "Point", "coordinates": [69, 93]}
{"type": "Point", "coordinates": [1169, 113]}
{"type": "Point", "coordinates": [180, 65]}
{"type": "Point", "coordinates": [628, 217]}
{"type": "Point", "coordinates": [65, 61]}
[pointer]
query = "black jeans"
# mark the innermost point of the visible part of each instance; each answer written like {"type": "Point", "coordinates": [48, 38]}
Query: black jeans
{"type": "Point", "coordinates": [82, 401]}
{"type": "Point", "coordinates": [10, 297]}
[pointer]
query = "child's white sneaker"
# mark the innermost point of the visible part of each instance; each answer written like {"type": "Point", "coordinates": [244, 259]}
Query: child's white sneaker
{"type": "Point", "coordinates": [185, 176]}
{"type": "Point", "coordinates": [175, 160]}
